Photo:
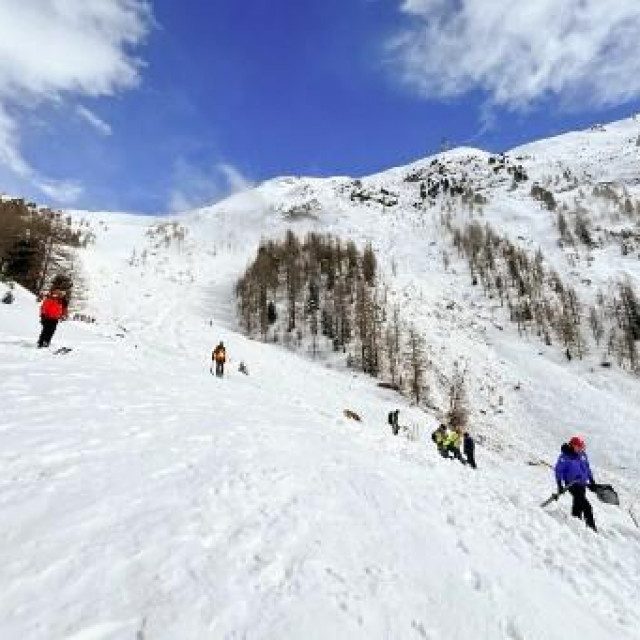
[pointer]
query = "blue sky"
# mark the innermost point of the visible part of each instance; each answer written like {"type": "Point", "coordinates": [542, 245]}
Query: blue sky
{"type": "Point", "coordinates": [181, 102]}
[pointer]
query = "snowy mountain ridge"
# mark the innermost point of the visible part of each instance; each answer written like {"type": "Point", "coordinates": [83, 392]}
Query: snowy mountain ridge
{"type": "Point", "coordinates": [146, 499]}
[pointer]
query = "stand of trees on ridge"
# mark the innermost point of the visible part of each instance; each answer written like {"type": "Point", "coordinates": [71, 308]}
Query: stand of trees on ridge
{"type": "Point", "coordinates": [539, 302]}
{"type": "Point", "coordinates": [36, 246]}
{"type": "Point", "coordinates": [323, 295]}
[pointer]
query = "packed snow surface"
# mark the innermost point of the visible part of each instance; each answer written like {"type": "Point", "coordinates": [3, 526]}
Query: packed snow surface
{"type": "Point", "coordinates": [142, 498]}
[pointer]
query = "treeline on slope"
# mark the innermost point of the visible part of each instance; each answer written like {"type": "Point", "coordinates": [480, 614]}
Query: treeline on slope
{"type": "Point", "coordinates": [163, 235]}
{"type": "Point", "coordinates": [540, 302]}
{"type": "Point", "coordinates": [324, 295]}
{"type": "Point", "coordinates": [36, 246]}
{"type": "Point", "coordinates": [607, 201]}
{"type": "Point", "coordinates": [614, 201]}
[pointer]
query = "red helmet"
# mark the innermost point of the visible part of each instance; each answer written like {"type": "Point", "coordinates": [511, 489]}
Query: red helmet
{"type": "Point", "coordinates": [577, 442]}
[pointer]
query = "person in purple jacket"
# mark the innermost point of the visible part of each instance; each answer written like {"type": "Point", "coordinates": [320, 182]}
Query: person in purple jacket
{"type": "Point", "coordinates": [573, 474]}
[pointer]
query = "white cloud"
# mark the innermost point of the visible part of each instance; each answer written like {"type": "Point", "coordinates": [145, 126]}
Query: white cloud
{"type": "Point", "coordinates": [51, 50]}
{"type": "Point", "coordinates": [9, 154]}
{"type": "Point", "coordinates": [194, 187]}
{"type": "Point", "coordinates": [583, 52]}
{"type": "Point", "coordinates": [94, 120]}
{"type": "Point", "coordinates": [64, 191]}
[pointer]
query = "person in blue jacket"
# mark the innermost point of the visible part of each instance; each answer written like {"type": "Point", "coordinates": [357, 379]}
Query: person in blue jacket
{"type": "Point", "coordinates": [573, 474]}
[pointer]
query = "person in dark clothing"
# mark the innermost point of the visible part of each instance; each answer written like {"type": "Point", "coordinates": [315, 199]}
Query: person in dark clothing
{"type": "Point", "coordinates": [573, 474]}
{"type": "Point", "coordinates": [469, 448]}
{"type": "Point", "coordinates": [220, 357]}
{"type": "Point", "coordinates": [581, 507]}
{"type": "Point", "coordinates": [52, 311]}
{"type": "Point", "coordinates": [393, 421]}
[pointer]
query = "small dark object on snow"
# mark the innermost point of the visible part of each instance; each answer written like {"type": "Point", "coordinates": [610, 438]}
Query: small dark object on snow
{"type": "Point", "coordinates": [352, 415]}
{"type": "Point", "coordinates": [62, 351]}
{"type": "Point", "coordinates": [469, 448]}
{"type": "Point", "coordinates": [242, 368]}
{"type": "Point", "coordinates": [393, 421]}
{"type": "Point", "coordinates": [7, 298]}
{"type": "Point", "coordinates": [539, 463]}
{"type": "Point", "coordinates": [389, 385]}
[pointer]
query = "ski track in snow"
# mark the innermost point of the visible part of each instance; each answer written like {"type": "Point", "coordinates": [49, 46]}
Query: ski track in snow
{"type": "Point", "coordinates": [143, 498]}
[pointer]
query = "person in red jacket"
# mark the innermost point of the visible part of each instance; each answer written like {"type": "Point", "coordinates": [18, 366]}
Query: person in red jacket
{"type": "Point", "coordinates": [52, 310]}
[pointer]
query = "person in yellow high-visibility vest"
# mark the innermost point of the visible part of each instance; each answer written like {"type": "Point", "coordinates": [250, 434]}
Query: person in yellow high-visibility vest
{"type": "Point", "coordinates": [452, 443]}
{"type": "Point", "coordinates": [439, 437]}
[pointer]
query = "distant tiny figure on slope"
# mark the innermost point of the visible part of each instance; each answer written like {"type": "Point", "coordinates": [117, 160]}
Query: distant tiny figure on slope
{"type": "Point", "coordinates": [469, 448]}
{"type": "Point", "coordinates": [393, 421]}
{"type": "Point", "coordinates": [52, 310]}
{"type": "Point", "coordinates": [573, 474]}
{"type": "Point", "coordinates": [448, 442]}
{"type": "Point", "coordinates": [242, 368]}
{"type": "Point", "coordinates": [219, 356]}
{"type": "Point", "coordinates": [7, 298]}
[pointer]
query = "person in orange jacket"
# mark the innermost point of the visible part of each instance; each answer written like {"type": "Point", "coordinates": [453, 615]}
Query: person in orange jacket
{"type": "Point", "coordinates": [220, 357]}
{"type": "Point", "coordinates": [52, 310]}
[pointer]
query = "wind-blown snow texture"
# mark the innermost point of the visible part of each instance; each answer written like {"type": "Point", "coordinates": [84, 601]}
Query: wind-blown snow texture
{"type": "Point", "coordinates": [142, 498]}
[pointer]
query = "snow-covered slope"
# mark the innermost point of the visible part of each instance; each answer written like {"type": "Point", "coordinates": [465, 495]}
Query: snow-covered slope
{"type": "Point", "coordinates": [143, 498]}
